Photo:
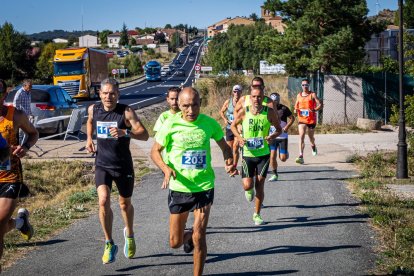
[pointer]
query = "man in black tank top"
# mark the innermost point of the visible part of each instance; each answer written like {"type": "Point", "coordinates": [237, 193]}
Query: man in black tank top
{"type": "Point", "coordinates": [115, 125]}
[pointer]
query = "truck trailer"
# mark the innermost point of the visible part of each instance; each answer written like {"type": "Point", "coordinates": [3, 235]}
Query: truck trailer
{"type": "Point", "coordinates": [80, 71]}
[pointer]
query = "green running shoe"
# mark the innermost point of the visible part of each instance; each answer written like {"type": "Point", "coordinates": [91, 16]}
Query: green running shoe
{"type": "Point", "coordinates": [299, 160]}
{"type": "Point", "coordinates": [109, 253]}
{"type": "Point", "coordinates": [249, 194]}
{"type": "Point", "coordinates": [129, 247]}
{"type": "Point", "coordinates": [274, 177]}
{"type": "Point", "coordinates": [27, 229]}
{"type": "Point", "coordinates": [314, 151]}
{"type": "Point", "coordinates": [257, 218]}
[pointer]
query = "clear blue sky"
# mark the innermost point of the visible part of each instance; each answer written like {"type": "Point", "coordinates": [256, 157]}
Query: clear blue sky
{"type": "Point", "coordinates": [44, 15]}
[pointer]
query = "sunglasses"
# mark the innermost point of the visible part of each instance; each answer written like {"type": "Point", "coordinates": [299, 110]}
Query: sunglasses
{"type": "Point", "coordinates": [236, 91]}
{"type": "Point", "coordinates": [305, 85]}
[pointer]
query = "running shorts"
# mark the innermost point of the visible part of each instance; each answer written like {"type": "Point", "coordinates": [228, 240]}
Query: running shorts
{"type": "Point", "coordinates": [229, 135]}
{"type": "Point", "coordinates": [282, 144]}
{"type": "Point", "coordinates": [252, 166]}
{"type": "Point", "coordinates": [124, 180]}
{"type": "Point", "coordinates": [179, 202]}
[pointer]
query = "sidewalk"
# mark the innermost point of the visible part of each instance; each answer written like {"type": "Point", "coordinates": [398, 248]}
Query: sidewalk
{"type": "Point", "coordinates": [333, 149]}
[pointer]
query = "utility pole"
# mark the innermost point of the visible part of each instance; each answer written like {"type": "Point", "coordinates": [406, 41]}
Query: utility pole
{"type": "Point", "coordinates": [402, 165]}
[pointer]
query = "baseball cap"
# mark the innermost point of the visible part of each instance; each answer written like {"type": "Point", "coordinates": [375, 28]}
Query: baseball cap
{"type": "Point", "coordinates": [275, 97]}
{"type": "Point", "coordinates": [237, 87]}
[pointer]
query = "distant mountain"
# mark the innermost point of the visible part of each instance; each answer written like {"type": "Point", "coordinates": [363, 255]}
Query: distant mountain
{"type": "Point", "coordinates": [49, 35]}
{"type": "Point", "coordinates": [385, 15]}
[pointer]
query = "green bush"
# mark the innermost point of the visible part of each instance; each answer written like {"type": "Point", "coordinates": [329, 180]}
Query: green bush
{"type": "Point", "coordinates": [409, 112]}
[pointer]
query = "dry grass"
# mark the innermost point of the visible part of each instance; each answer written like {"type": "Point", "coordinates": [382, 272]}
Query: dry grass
{"type": "Point", "coordinates": [392, 216]}
{"type": "Point", "coordinates": [61, 193]}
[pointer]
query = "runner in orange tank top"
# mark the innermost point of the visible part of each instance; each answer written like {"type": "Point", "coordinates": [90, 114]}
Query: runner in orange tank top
{"type": "Point", "coordinates": [11, 179]}
{"type": "Point", "coordinates": [307, 103]}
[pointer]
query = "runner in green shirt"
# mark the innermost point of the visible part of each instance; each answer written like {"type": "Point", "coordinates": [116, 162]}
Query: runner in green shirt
{"type": "Point", "coordinates": [188, 172]}
{"type": "Point", "coordinates": [172, 100]}
{"type": "Point", "coordinates": [256, 120]}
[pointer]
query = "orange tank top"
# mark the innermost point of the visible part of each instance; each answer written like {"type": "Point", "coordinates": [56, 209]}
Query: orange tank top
{"type": "Point", "coordinates": [305, 106]}
{"type": "Point", "coordinates": [10, 171]}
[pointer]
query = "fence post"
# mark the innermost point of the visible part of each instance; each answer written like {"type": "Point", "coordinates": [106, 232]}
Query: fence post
{"type": "Point", "coordinates": [385, 97]}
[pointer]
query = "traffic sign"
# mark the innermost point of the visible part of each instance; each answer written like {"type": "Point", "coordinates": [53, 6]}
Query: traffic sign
{"type": "Point", "coordinates": [114, 71]}
{"type": "Point", "coordinates": [197, 67]}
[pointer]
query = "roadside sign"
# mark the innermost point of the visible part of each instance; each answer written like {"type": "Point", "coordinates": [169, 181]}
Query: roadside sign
{"type": "Point", "coordinates": [114, 71]}
{"type": "Point", "coordinates": [197, 67]}
{"type": "Point", "coordinates": [206, 68]}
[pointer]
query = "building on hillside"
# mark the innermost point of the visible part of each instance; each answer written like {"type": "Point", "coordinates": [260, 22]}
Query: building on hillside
{"type": "Point", "coordinates": [383, 44]}
{"type": "Point", "coordinates": [223, 25]}
{"type": "Point", "coordinates": [60, 40]}
{"type": "Point", "coordinates": [273, 20]}
{"type": "Point", "coordinates": [170, 32]}
{"type": "Point", "coordinates": [143, 42]}
{"type": "Point", "coordinates": [88, 41]}
{"type": "Point", "coordinates": [113, 40]}
{"type": "Point", "coordinates": [133, 34]}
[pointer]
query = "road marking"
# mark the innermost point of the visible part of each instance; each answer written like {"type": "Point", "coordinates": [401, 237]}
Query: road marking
{"type": "Point", "coordinates": [143, 101]}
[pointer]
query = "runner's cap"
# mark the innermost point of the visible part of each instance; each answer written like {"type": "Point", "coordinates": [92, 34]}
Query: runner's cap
{"type": "Point", "coordinates": [237, 87]}
{"type": "Point", "coordinates": [275, 97]}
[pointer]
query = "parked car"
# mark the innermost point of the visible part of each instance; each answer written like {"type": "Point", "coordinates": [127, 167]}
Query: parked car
{"type": "Point", "coordinates": [120, 53]}
{"type": "Point", "coordinates": [48, 101]}
{"type": "Point", "coordinates": [191, 59]}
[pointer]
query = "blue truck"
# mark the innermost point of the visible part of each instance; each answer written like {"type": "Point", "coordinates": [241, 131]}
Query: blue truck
{"type": "Point", "coordinates": [152, 71]}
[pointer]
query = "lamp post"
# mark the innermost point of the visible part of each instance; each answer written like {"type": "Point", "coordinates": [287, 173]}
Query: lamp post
{"type": "Point", "coordinates": [402, 166]}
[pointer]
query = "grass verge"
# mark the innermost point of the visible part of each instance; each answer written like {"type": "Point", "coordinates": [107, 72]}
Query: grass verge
{"type": "Point", "coordinates": [392, 216]}
{"type": "Point", "coordinates": [61, 193]}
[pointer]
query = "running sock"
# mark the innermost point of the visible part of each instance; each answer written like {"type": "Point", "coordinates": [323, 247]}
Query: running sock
{"type": "Point", "coordinates": [19, 223]}
{"type": "Point", "coordinates": [274, 172]}
{"type": "Point", "coordinates": [109, 241]}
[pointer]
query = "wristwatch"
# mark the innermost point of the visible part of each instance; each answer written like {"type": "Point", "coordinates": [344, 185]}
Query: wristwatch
{"type": "Point", "coordinates": [127, 132]}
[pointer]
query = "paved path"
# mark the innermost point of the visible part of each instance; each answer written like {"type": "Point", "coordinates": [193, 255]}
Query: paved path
{"type": "Point", "coordinates": [313, 227]}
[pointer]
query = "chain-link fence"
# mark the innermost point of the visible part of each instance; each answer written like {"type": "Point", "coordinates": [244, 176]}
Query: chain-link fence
{"type": "Point", "coordinates": [347, 98]}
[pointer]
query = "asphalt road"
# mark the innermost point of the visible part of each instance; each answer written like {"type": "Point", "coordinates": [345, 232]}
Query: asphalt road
{"type": "Point", "coordinates": [313, 228]}
{"type": "Point", "coordinates": [146, 93]}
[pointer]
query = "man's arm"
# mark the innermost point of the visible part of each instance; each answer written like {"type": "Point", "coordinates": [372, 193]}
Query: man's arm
{"type": "Point", "coordinates": [238, 119]}
{"type": "Point", "coordinates": [22, 121]}
{"type": "Point", "coordinates": [138, 130]}
{"type": "Point", "coordinates": [17, 99]}
{"type": "Point", "coordinates": [317, 101]}
{"type": "Point", "coordinates": [223, 112]}
{"type": "Point", "coordinates": [157, 158]}
{"type": "Point", "coordinates": [90, 147]}
{"type": "Point", "coordinates": [274, 121]}
{"type": "Point", "coordinates": [291, 119]}
{"type": "Point", "coordinates": [239, 105]}
{"type": "Point", "coordinates": [228, 156]}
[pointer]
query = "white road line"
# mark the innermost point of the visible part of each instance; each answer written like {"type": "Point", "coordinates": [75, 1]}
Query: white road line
{"type": "Point", "coordinates": [143, 101]}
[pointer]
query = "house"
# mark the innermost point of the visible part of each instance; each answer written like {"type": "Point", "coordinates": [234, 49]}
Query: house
{"type": "Point", "coordinates": [383, 44]}
{"type": "Point", "coordinates": [223, 25]}
{"type": "Point", "coordinates": [169, 33]}
{"type": "Point", "coordinates": [113, 40]}
{"type": "Point", "coordinates": [60, 40]}
{"type": "Point", "coordinates": [273, 20]}
{"type": "Point", "coordinates": [133, 34]}
{"type": "Point", "coordinates": [88, 41]}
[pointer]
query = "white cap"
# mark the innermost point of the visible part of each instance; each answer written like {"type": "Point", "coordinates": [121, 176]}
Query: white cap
{"type": "Point", "coordinates": [237, 87]}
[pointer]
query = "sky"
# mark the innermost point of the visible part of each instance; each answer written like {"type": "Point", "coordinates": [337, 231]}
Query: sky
{"type": "Point", "coordinates": [43, 15]}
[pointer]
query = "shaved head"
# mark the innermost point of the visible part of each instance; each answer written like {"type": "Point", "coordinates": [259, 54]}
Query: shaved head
{"type": "Point", "coordinates": [189, 103]}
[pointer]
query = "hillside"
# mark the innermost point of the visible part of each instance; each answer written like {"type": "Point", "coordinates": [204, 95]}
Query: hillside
{"type": "Point", "coordinates": [49, 35]}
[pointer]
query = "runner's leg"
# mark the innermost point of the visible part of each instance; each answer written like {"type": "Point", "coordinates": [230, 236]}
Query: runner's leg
{"type": "Point", "coordinates": [302, 132]}
{"type": "Point", "coordinates": [177, 226]}
{"type": "Point", "coordinates": [201, 216]}
{"type": "Point", "coordinates": [127, 212]}
{"type": "Point", "coordinates": [105, 211]}
{"type": "Point", "coordinates": [7, 206]}
{"type": "Point", "coordinates": [259, 186]}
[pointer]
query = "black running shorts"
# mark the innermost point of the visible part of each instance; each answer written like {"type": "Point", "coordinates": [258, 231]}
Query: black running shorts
{"type": "Point", "coordinates": [10, 190]}
{"type": "Point", "coordinates": [229, 135]}
{"type": "Point", "coordinates": [252, 166]}
{"type": "Point", "coordinates": [310, 126]}
{"type": "Point", "coordinates": [124, 180]}
{"type": "Point", "coordinates": [179, 202]}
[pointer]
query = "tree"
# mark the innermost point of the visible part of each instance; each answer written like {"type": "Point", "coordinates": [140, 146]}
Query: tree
{"type": "Point", "coordinates": [175, 42]}
{"type": "Point", "coordinates": [168, 26]}
{"type": "Point", "coordinates": [123, 41]}
{"type": "Point", "coordinates": [321, 35]}
{"type": "Point", "coordinates": [236, 49]}
{"type": "Point", "coordinates": [103, 37]}
{"type": "Point", "coordinates": [254, 17]}
{"type": "Point", "coordinates": [15, 61]}
{"type": "Point", "coordinates": [159, 37]}
{"type": "Point", "coordinates": [408, 13]}
{"type": "Point", "coordinates": [44, 66]}
{"type": "Point", "coordinates": [149, 30]}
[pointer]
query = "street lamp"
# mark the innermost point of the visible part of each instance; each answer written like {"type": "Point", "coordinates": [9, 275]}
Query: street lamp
{"type": "Point", "coordinates": [402, 166]}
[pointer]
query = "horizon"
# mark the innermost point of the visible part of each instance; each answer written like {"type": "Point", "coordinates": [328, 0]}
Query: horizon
{"type": "Point", "coordinates": [134, 14]}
